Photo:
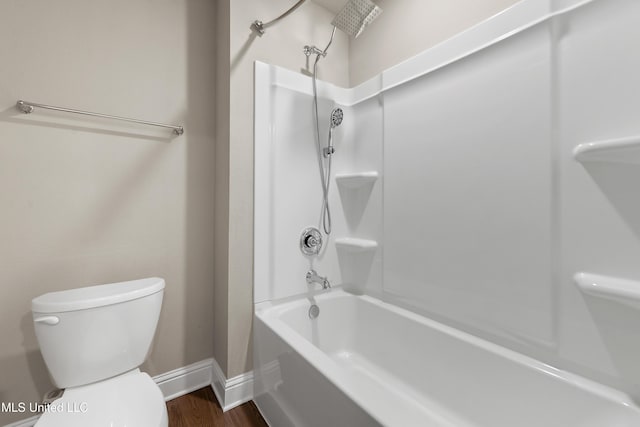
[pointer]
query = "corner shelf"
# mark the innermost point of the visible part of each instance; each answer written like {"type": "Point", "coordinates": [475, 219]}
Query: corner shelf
{"type": "Point", "coordinates": [356, 257]}
{"type": "Point", "coordinates": [622, 150]}
{"type": "Point", "coordinates": [356, 245]}
{"type": "Point", "coordinates": [356, 180]}
{"type": "Point", "coordinates": [355, 190]}
{"type": "Point", "coordinates": [613, 288]}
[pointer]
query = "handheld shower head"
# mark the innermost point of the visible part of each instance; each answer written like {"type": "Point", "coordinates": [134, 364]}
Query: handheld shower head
{"type": "Point", "coordinates": [355, 16]}
{"type": "Point", "coordinates": [336, 117]}
{"type": "Point", "coordinates": [335, 120]}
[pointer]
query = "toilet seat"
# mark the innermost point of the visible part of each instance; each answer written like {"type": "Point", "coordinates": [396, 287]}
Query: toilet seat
{"type": "Point", "coordinates": [129, 400]}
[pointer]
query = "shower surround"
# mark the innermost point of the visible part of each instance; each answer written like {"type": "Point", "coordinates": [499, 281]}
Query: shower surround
{"type": "Point", "coordinates": [477, 186]}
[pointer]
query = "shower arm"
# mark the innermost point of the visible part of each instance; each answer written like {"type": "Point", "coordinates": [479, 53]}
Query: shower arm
{"type": "Point", "coordinates": [333, 33]}
{"type": "Point", "coordinates": [260, 27]}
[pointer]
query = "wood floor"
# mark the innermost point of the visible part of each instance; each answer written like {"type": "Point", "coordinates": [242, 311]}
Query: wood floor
{"type": "Point", "coordinates": [201, 409]}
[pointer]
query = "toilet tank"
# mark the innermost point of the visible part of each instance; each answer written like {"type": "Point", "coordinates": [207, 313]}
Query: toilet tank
{"type": "Point", "coordinates": [93, 333]}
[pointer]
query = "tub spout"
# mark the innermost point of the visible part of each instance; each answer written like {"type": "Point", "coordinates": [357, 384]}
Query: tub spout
{"type": "Point", "coordinates": [313, 277]}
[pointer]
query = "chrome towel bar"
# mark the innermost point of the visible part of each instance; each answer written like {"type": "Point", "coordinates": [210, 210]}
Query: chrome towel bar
{"type": "Point", "coordinates": [27, 108]}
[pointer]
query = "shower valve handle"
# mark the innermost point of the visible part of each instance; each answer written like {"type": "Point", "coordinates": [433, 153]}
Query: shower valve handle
{"type": "Point", "coordinates": [310, 241]}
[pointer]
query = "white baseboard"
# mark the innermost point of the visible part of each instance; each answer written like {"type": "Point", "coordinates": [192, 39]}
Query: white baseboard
{"type": "Point", "coordinates": [231, 392]}
{"type": "Point", "coordinates": [184, 380]}
{"type": "Point", "coordinates": [174, 384]}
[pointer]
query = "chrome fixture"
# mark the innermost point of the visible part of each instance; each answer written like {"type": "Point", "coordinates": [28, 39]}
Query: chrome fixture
{"type": "Point", "coordinates": [28, 107]}
{"type": "Point", "coordinates": [259, 27]}
{"type": "Point", "coordinates": [310, 241]}
{"type": "Point", "coordinates": [336, 117]}
{"type": "Point", "coordinates": [313, 278]}
{"type": "Point", "coordinates": [312, 50]}
{"type": "Point", "coordinates": [354, 17]}
{"type": "Point", "coordinates": [336, 120]}
{"type": "Point", "coordinates": [314, 311]}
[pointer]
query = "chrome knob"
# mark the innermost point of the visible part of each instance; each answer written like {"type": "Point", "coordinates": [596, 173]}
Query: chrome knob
{"type": "Point", "coordinates": [310, 241]}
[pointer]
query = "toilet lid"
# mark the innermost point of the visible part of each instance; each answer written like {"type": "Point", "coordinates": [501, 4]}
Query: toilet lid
{"type": "Point", "coordinates": [96, 296]}
{"type": "Point", "coordinates": [129, 400]}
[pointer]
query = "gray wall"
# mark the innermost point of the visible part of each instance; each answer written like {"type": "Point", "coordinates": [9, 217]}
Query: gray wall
{"type": "Point", "coordinates": [86, 201]}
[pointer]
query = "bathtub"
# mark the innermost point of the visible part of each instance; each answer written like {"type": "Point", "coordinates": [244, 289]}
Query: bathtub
{"type": "Point", "coordinates": [364, 362]}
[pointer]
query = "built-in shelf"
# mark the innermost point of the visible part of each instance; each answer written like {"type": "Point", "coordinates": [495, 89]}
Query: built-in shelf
{"type": "Point", "coordinates": [355, 257]}
{"type": "Point", "coordinates": [621, 290]}
{"type": "Point", "coordinates": [355, 190]}
{"type": "Point", "coordinates": [356, 245]}
{"type": "Point", "coordinates": [622, 150]}
{"type": "Point", "coordinates": [356, 180]}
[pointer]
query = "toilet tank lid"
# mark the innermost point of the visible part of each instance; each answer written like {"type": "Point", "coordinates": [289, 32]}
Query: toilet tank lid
{"type": "Point", "coordinates": [96, 296]}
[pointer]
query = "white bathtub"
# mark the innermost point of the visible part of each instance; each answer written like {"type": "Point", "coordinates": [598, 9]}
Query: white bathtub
{"type": "Point", "coordinates": [364, 362]}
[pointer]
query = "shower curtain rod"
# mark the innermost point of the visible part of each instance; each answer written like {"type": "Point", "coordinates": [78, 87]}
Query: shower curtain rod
{"type": "Point", "coordinates": [28, 107]}
{"type": "Point", "coordinates": [259, 27]}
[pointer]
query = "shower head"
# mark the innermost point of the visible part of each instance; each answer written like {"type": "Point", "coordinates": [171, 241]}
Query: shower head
{"type": "Point", "coordinates": [335, 120]}
{"type": "Point", "coordinates": [352, 19]}
{"type": "Point", "coordinates": [355, 16]}
{"type": "Point", "coordinates": [336, 117]}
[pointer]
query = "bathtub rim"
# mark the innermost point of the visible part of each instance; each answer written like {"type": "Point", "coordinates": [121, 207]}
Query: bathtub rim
{"type": "Point", "coordinates": [270, 312]}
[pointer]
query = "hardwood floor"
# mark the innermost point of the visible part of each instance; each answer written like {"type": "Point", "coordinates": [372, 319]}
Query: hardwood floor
{"type": "Point", "coordinates": [201, 409]}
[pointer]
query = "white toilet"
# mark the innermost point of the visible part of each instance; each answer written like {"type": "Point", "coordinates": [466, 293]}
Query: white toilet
{"type": "Point", "coordinates": [93, 340]}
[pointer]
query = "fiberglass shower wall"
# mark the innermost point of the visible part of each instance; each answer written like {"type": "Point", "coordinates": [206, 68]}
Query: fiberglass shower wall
{"type": "Point", "coordinates": [289, 193]}
{"type": "Point", "coordinates": [487, 213]}
{"type": "Point", "coordinates": [468, 190]}
{"type": "Point", "coordinates": [481, 213]}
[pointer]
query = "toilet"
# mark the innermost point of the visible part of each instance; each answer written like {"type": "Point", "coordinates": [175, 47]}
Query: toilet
{"type": "Point", "coordinates": [93, 340]}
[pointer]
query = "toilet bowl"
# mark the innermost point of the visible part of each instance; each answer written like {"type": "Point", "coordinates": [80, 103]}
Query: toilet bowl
{"type": "Point", "coordinates": [93, 340]}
